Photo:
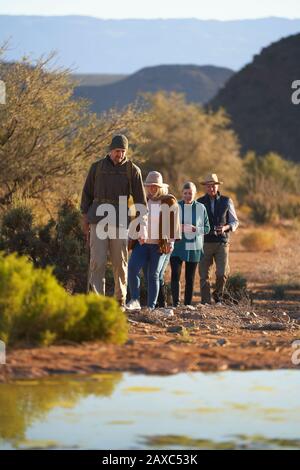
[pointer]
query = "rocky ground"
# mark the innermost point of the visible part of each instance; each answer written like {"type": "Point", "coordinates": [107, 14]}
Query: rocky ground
{"type": "Point", "coordinates": [257, 334]}
{"type": "Point", "coordinates": [205, 338]}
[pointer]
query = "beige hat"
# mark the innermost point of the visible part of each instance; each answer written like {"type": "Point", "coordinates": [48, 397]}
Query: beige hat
{"type": "Point", "coordinates": [154, 177]}
{"type": "Point", "coordinates": [212, 178]}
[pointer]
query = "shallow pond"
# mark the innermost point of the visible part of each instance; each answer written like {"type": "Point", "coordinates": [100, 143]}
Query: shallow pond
{"type": "Point", "coordinates": [227, 410]}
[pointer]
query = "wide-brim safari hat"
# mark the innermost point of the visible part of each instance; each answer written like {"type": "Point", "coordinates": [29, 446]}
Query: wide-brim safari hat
{"type": "Point", "coordinates": [211, 178]}
{"type": "Point", "coordinates": [155, 178]}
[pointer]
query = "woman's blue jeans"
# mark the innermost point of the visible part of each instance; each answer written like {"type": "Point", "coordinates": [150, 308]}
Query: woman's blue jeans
{"type": "Point", "coordinates": [163, 269]}
{"type": "Point", "coordinates": [148, 257]}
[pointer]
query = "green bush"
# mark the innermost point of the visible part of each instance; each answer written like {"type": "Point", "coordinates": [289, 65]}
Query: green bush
{"type": "Point", "coordinates": [102, 320]}
{"type": "Point", "coordinates": [59, 243]}
{"type": "Point", "coordinates": [269, 186]}
{"type": "Point", "coordinates": [68, 250]}
{"type": "Point", "coordinates": [17, 232]}
{"type": "Point", "coordinates": [36, 309]}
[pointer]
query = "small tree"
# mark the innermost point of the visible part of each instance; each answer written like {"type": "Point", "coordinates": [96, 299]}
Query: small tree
{"type": "Point", "coordinates": [185, 142]}
{"type": "Point", "coordinates": [47, 138]}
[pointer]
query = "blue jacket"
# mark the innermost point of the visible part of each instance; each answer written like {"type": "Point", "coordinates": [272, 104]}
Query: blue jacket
{"type": "Point", "coordinates": [190, 247]}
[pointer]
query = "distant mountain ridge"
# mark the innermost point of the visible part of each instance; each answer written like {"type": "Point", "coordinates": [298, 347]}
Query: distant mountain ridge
{"type": "Point", "coordinates": [198, 83]}
{"type": "Point", "coordinates": [92, 45]}
{"type": "Point", "coordinates": [97, 79]}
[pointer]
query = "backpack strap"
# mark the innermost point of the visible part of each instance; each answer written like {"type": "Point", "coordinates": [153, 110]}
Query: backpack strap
{"type": "Point", "coordinates": [99, 168]}
{"type": "Point", "coordinates": [129, 170]}
{"type": "Point", "coordinates": [131, 205]}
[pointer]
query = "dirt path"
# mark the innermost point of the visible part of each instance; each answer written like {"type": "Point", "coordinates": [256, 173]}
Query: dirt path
{"type": "Point", "coordinates": [208, 338]}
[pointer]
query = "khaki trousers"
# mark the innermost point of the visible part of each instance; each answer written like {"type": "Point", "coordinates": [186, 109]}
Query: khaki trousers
{"type": "Point", "coordinates": [218, 253]}
{"type": "Point", "coordinates": [118, 251]}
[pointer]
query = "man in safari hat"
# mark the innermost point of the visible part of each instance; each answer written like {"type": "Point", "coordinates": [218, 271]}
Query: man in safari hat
{"type": "Point", "coordinates": [223, 220]}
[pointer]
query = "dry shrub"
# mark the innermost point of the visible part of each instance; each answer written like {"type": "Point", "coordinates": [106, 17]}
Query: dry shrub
{"type": "Point", "coordinates": [259, 240]}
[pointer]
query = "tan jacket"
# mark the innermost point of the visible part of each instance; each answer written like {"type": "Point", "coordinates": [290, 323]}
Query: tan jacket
{"type": "Point", "coordinates": [172, 229]}
{"type": "Point", "coordinates": [168, 231]}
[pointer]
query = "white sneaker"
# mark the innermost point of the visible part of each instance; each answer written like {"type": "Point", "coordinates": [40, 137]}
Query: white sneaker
{"type": "Point", "coordinates": [190, 307]}
{"type": "Point", "coordinates": [167, 312]}
{"type": "Point", "coordinates": [133, 305]}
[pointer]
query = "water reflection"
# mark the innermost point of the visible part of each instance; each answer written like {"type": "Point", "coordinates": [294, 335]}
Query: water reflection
{"type": "Point", "coordinates": [108, 411]}
{"type": "Point", "coordinates": [24, 402]}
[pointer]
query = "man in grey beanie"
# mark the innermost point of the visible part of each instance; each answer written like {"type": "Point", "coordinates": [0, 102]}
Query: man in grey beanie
{"type": "Point", "coordinates": [108, 179]}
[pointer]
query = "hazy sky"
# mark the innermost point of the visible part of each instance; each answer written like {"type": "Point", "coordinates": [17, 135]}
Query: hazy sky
{"type": "Point", "coordinates": [205, 9]}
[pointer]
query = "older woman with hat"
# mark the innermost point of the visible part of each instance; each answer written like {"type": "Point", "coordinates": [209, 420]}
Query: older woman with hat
{"type": "Point", "coordinates": [223, 220]}
{"type": "Point", "coordinates": [189, 249]}
{"type": "Point", "coordinates": [149, 254]}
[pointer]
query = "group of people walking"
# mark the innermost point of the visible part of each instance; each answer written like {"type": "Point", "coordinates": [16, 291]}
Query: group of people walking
{"type": "Point", "coordinates": [190, 231]}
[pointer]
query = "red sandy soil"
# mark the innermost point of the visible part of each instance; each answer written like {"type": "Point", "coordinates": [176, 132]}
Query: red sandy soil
{"type": "Point", "coordinates": [257, 335]}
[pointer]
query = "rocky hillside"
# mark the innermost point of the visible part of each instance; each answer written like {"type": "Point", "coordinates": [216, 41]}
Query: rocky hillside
{"type": "Point", "coordinates": [258, 99]}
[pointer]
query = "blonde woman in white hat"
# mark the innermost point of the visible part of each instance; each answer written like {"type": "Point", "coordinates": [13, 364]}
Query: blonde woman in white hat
{"type": "Point", "coordinates": [149, 254]}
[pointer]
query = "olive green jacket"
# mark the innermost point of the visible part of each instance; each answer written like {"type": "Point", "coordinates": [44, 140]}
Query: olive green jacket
{"type": "Point", "coordinates": [104, 184]}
